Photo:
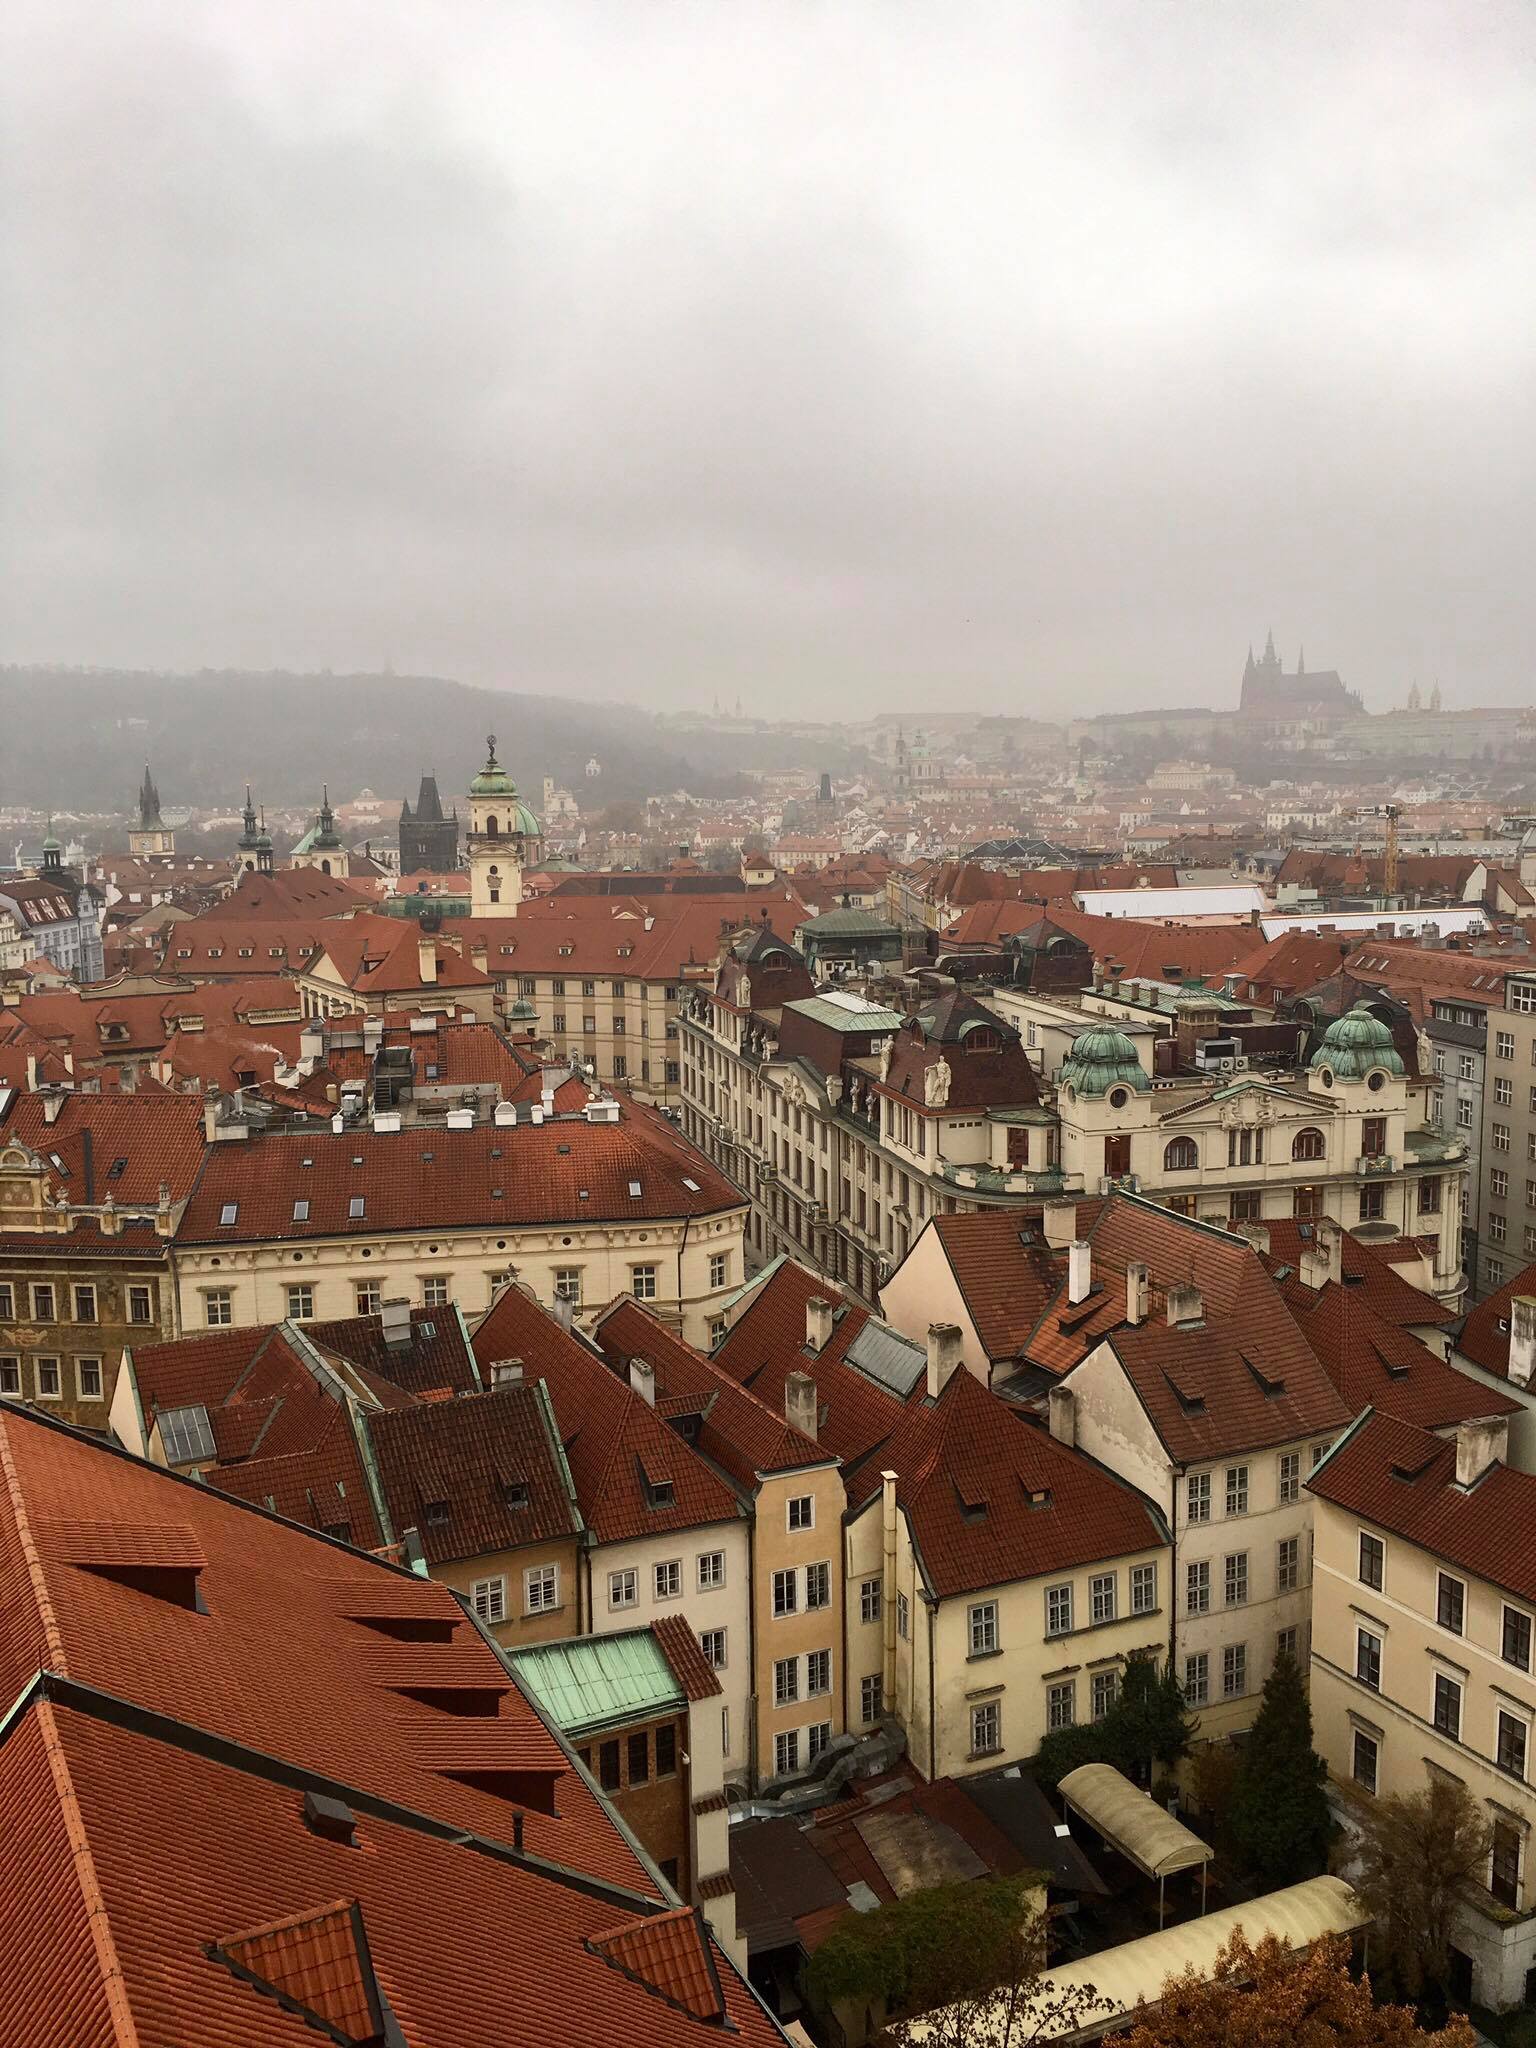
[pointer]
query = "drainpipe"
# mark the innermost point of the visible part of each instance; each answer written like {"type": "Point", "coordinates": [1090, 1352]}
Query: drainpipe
{"type": "Point", "coordinates": [682, 1246]}
{"type": "Point", "coordinates": [888, 1589]}
{"type": "Point", "coordinates": [933, 1719]}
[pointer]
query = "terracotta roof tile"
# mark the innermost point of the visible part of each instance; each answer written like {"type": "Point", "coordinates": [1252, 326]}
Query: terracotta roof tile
{"type": "Point", "coordinates": [1374, 1364]}
{"type": "Point", "coordinates": [670, 1953]}
{"type": "Point", "coordinates": [489, 1459]}
{"type": "Point", "coordinates": [690, 1667]}
{"type": "Point", "coordinates": [1484, 1337]}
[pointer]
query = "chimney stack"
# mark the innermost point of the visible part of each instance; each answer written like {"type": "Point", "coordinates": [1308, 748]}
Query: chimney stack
{"type": "Point", "coordinates": [1079, 1271]}
{"type": "Point", "coordinates": [818, 1323]}
{"type": "Point", "coordinates": [800, 1403]}
{"type": "Point", "coordinates": [945, 1345]}
{"type": "Point", "coordinates": [1063, 1406]}
{"type": "Point", "coordinates": [1137, 1290]}
{"type": "Point", "coordinates": [1184, 1306]}
{"type": "Point", "coordinates": [1522, 1339]}
{"type": "Point", "coordinates": [642, 1380]}
{"type": "Point", "coordinates": [1480, 1445]}
{"type": "Point", "coordinates": [1323, 1259]}
{"type": "Point", "coordinates": [426, 958]}
{"type": "Point", "coordinates": [395, 1322]}
{"type": "Point", "coordinates": [1060, 1222]}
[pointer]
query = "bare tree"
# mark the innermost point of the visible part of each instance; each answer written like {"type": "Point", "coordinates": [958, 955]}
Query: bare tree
{"type": "Point", "coordinates": [1419, 1852]}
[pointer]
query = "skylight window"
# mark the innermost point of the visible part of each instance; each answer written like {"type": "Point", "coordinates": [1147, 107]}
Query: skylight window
{"type": "Point", "coordinates": [186, 1435]}
{"type": "Point", "coordinates": [634, 1188]}
{"type": "Point", "coordinates": [117, 1169]}
{"type": "Point", "coordinates": [230, 1213]}
{"type": "Point", "coordinates": [300, 1212]}
{"type": "Point", "coordinates": [691, 1185]}
{"type": "Point", "coordinates": [356, 1206]}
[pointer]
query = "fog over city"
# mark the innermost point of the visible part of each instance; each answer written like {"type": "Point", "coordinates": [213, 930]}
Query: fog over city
{"type": "Point", "coordinates": [1031, 358]}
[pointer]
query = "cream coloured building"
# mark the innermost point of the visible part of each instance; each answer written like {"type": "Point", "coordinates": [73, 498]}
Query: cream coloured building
{"type": "Point", "coordinates": [1424, 1620]}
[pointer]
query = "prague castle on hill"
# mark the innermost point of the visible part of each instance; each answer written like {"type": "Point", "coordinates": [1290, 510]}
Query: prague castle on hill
{"type": "Point", "coordinates": [1269, 692]}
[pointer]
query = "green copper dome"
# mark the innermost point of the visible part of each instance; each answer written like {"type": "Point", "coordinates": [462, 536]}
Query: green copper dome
{"type": "Point", "coordinates": [51, 844]}
{"type": "Point", "coordinates": [1103, 1058]}
{"type": "Point", "coordinates": [1356, 1045]}
{"type": "Point", "coordinates": [522, 1012]}
{"type": "Point", "coordinates": [493, 779]}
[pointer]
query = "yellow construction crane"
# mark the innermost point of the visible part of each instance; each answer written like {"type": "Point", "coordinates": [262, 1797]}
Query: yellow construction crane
{"type": "Point", "coordinates": [1391, 812]}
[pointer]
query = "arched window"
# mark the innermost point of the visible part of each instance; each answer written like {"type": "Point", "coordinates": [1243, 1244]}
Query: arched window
{"type": "Point", "coordinates": [1180, 1155]}
{"type": "Point", "coordinates": [492, 829]}
{"type": "Point", "coordinates": [325, 867]}
{"type": "Point", "coordinates": [1308, 1144]}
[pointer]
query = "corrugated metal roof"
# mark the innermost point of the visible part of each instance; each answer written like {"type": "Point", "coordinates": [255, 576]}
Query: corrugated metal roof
{"type": "Point", "coordinates": [589, 1682]}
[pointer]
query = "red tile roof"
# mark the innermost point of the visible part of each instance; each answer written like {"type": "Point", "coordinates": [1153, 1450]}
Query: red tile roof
{"type": "Point", "coordinates": [767, 1343]}
{"type": "Point", "coordinates": [1374, 1364]}
{"type": "Point", "coordinates": [616, 1444]}
{"type": "Point", "coordinates": [689, 1666]}
{"type": "Point", "coordinates": [119, 1145]}
{"type": "Point", "coordinates": [672, 1952]}
{"type": "Point", "coordinates": [992, 1499]}
{"type": "Point", "coordinates": [465, 1455]}
{"type": "Point", "coordinates": [1368, 1268]}
{"type": "Point", "coordinates": [1484, 1337]}
{"type": "Point", "coordinates": [1005, 1283]}
{"type": "Point", "coordinates": [564, 1170]}
{"type": "Point", "coordinates": [1403, 1480]}
{"type": "Point", "coordinates": [319, 1960]}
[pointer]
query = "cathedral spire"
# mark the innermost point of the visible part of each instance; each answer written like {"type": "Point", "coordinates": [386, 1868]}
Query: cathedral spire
{"type": "Point", "coordinates": [1271, 659]}
{"type": "Point", "coordinates": [149, 803]}
{"type": "Point", "coordinates": [1301, 661]}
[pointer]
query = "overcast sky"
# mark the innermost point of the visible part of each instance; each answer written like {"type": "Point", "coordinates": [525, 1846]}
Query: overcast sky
{"type": "Point", "coordinates": [847, 356]}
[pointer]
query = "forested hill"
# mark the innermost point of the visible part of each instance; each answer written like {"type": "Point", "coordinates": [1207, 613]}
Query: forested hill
{"type": "Point", "coordinates": [80, 737]}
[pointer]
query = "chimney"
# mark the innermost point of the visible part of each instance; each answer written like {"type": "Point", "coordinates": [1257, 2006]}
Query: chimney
{"type": "Point", "coordinates": [312, 1040]}
{"type": "Point", "coordinates": [818, 1323]}
{"type": "Point", "coordinates": [800, 1403]}
{"type": "Point", "coordinates": [1522, 1339]}
{"type": "Point", "coordinates": [426, 957]}
{"type": "Point", "coordinates": [1184, 1306]}
{"type": "Point", "coordinates": [564, 1311]}
{"type": "Point", "coordinates": [1256, 1233]}
{"type": "Point", "coordinates": [1137, 1289]}
{"type": "Point", "coordinates": [479, 955]}
{"type": "Point", "coordinates": [642, 1380]}
{"type": "Point", "coordinates": [1480, 1445]}
{"type": "Point", "coordinates": [945, 1344]}
{"type": "Point", "coordinates": [1323, 1259]}
{"type": "Point", "coordinates": [1079, 1271]}
{"type": "Point", "coordinates": [53, 1103]}
{"type": "Point", "coordinates": [1060, 1221]}
{"type": "Point", "coordinates": [395, 1322]}
{"type": "Point", "coordinates": [1063, 1405]}
{"type": "Point", "coordinates": [506, 1372]}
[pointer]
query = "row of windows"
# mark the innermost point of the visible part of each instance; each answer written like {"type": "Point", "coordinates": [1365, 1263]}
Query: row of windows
{"type": "Point", "coordinates": [787, 1747]}
{"type": "Point", "coordinates": [635, 1759]}
{"type": "Point", "coordinates": [50, 1377]}
{"type": "Point", "coordinates": [1450, 1603]}
{"type": "Point", "coordinates": [48, 1303]}
{"type": "Point", "coordinates": [1505, 1847]}
{"type": "Point", "coordinates": [1234, 1669]}
{"type": "Point", "coordinates": [814, 1669]}
{"type": "Point", "coordinates": [667, 1579]}
{"type": "Point", "coordinates": [1060, 1619]}
{"type": "Point", "coordinates": [805, 1586]}
{"type": "Point", "coordinates": [1198, 1491]}
{"type": "Point", "coordinates": [528, 986]}
{"type": "Point", "coordinates": [541, 1593]}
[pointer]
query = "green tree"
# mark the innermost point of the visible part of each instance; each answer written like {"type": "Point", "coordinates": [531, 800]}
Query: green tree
{"type": "Point", "coordinates": [1147, 1725]}
{"type": "Point", "coordinates": [1279, 1817]}
{"type": "Point", "coordinates": [928, 1949]}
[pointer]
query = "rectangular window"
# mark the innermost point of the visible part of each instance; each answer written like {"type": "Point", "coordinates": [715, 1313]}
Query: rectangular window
{"type": "Point", "coordinates": [818, 1585]}
{"type": "Point", "coordinates": [1504, 1872]}
{"type": "Point", "coordinates": [369, 1297]}
{"type": "Point", "coordinates": [7, 1302]}
{"type": "Point", "coordinates": [1464, 1114]}
{"type": "Point", "coordinates": [1290, 1477]}
{"type": "Point", "coordinates": [42, 1303]}
{"type": "Point", "coordinates": [903, 1616]}
{"type": "Point", "coordinates": [1498, 1132]}
{"type": "Point", "coordinates": [1373, 1204]}
{"type": "Point", "coordinates": [639, 1758]}
{"type": "Point", "coordinates": [1503, 1091]}
{"type": "Point", "coordinates": [88, 1373]}
{"type": "Point", "coordinates": [986, 1728]}
{"type": "Point", "coordinates": [434, 1293]}
{"type": "Point", "coordinates": [1197, 1496]}
{"type": "Point", "coordinates": [541, 1589]}
{"type": "Point", "coordinates": [786, 1681]}
{"type": "Point", "coordinates": [1365, 1761]}
{"type": "Point", "coordinates": [489, 1598]}
{"type": "Point", "coordinates": [623, 1588]}
{"type": "Point", "coordinates": [218, 1307]}
{"type": "Point", "coordinates": [1373, 1136]}
{"type": "Point", "coordinates": [301, 1210]}
{"type": "Point", "coordinates": [983, 1622]}
{"type": "Point", "coordinates": [1058, 1610]}
{"type": "Point", "coordinates": [1237, 1578]}
{"type": "Point", "coordinates": [1498, 1227]}
{"type": "Point", "coordinates": [10, 1377]}
{"type": "Point", "coordinates": [620, 1064]}
{"type": "Point", "coordinates": [1368, 1658]}
{"type": "Point", "coordinates": [1517, 1639]}
{"type": "Point", "coordinates": [1513, 1737]}
{"type": "Point", "coordinates": [1288, 1565]}
{"type": "Point", "coordinates": [301, 1304]}
{"type": "Point", "coordinates": [784, 1593]}
{"type": "Point", "coordinates": [1234, 1671]}
{"type": "Point", "coordinates": [568, 1284]}
{"type": "Point", "coordinates": [85, 1304]}
{"type": "Point", "coordinates": [608, 1766]}
{"type": "Point", "coordinates": [1373, 1558]}
{"type": "Point", "coordinates": [786, 1753]}
{"type": "Point", "coordinates": [642, 1282]}
{"type": "Point", "coordinates": [818, 1673]}
{"type": "Point", "coordinates": [1287, 1644]}
{"type": "Point", "coordinates": [801, 1512]}
{"type": "Point", "coordinates": [869, 1600]}
{"type": "Point", "coordinates": [50, 1380]}
{"type": "Point", "coordinates": [1061, 1704]}
{"type": "Point", "coordinates": [1197, 1679]}
{"type": "Point", "coordinates": [711, 1570]}
{"type": "Point", "coordinates": [1498, 1181]}
{"type": "Point", "coordinates": [1101, 1597]}
{"type": "Point", "coordinates": [712, 1643]}
{"type": "Point", "coordinates": [1451, 1604]}
{"type": "Point", "coordinates": [869, 1699]}
{"type": "Point", "coordinates": [669, 1579]}
{"type": "Point", "coordinates": [1143, 1588]}
{"type": "Point", "coordinates": [1447, 1706]}
{"type": "Point", "coordinates": [817, 1739]}
{"type": "Point", "coordinates": [1105, 1686]}
{"type": "Point", "coordinates": [719, 1269]}
{"type": "Point", "coordinates": [1503, 1048]}
{"type": "Point", "coordinates": [1197, 1583]}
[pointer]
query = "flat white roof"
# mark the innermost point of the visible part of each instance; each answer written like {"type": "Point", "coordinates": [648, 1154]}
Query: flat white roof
{"type": "Point", "coordinates": [1405, 922]}
{"type": "Point", "coordinates": [1159, 905]}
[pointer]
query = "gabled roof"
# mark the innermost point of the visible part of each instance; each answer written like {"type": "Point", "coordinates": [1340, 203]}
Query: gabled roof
{"type": "Point", "coordinates": [736, 1431]}
{"type": "Point", "coordinates": [478, 1474]}
{"type": "Point", "coordinates": [1484, 1337]}
{"type": "Point", "coordinates": [991, 1499]}
{"type": "Point", "coordinates": [1004, 1274]}
{"type": "Point", "coordinates": [1403, 1480]}
{"type": "Point", "coordinates": [1369, 1269]}
{"type": "Point", "coordinates": [1374, 1364]}
{"type": "Point", "coordinates": [125, 1146]}
{"type": "Point", "coordinates": [618, 1448]}
{"type": "Point", "coordinates": [767, 1343]}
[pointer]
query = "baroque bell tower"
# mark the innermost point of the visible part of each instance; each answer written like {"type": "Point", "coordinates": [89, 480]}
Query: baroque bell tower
{"type": "Point", "coordinates": [504, 837]}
